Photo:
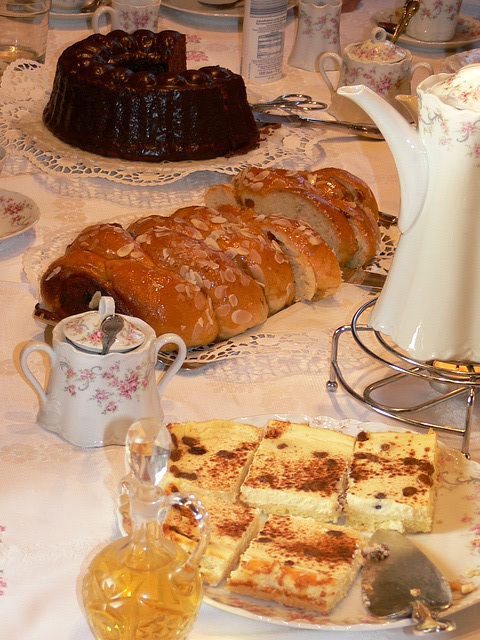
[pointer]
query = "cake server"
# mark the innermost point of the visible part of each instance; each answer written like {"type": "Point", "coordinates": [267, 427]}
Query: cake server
{"type": "Point", "coordinates": [399, 581]}
{"type": "Point", "coordinates": [364, 130]}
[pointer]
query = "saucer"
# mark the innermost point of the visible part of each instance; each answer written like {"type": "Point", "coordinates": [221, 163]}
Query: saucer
{"type": "Point", "coordinates": [70, 16]}
{"type": "Point", "coordinates": [459, 60]}
{"type": "Point", "coordinates": [17, 214]}
{"type": "Point", "coordinates": [467, 33]}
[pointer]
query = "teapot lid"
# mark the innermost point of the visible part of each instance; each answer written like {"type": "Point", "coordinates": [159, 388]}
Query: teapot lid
{"type": "Point", "coordinates": [461, 89]}
{"type": "Point", "coordinates": [377, 49]}
{"type": "Point", "coordinates": [84, 330]}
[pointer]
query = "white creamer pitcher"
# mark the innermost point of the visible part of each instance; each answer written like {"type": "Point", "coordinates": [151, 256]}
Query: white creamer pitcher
{"type": "Point", "coordinates": [430, 304]}
{"type": "Point", "coordinates": [92, 399]}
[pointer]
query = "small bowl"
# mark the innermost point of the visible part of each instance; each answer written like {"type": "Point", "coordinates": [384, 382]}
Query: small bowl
{"type": "Point", "coordinates": [3, 157]}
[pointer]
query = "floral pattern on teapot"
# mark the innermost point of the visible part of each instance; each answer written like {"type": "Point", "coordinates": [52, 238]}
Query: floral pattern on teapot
{"type": "Point", "coordinates": [112, 388]}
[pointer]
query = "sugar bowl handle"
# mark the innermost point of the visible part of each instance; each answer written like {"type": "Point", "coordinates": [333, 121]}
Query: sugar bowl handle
{"type": "Point", "coordinates": [161, 341]}
{"type": "Point", "coordinates": [24, 354]}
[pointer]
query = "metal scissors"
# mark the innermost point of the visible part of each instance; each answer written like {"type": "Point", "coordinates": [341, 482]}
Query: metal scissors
{"type": "Point", "coordinates": [291, 102]}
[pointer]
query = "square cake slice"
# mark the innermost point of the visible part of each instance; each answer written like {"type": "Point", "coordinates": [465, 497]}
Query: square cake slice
{"type": "Point", "coordinates": [212, 457]}
{"type": "Point", "coordinates": [392, 482]}
{"type": "Point", "coordinates": [299, 470]}
{"type": "Point", "coordinates": [232, 527]}
{"type": "Point", "coordinates": [300, 563]}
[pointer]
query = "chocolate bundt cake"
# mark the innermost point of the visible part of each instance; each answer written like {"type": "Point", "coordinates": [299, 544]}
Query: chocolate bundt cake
{"type": "Point", "coordinates": [131, 96]}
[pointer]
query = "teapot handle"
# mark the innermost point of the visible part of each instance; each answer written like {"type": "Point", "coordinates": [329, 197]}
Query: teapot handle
{"type": "Point", "coordinates": [185, 572]}
{"type": "Point", "coordinates": [161, 341]}
{"type": "Point", "coordinates": [24, 354]}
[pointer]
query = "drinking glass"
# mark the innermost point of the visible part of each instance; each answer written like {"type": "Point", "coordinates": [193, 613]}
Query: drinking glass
{"type": "Point", "coordinates": [23, 30]}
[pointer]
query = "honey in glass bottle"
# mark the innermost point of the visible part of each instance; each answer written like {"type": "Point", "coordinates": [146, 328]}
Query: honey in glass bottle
{"type": "Point", "coordinates": [144, 586]}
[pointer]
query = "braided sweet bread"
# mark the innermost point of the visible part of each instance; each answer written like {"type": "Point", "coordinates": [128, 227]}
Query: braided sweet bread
{"type": "Point", "coordinates": [209, 274]}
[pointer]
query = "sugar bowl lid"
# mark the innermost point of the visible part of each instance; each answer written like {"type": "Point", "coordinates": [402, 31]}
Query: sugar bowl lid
{"type": "Point", "coordinates": [103, 330]}
{"type": "Point", "coordinates": [377, 49]}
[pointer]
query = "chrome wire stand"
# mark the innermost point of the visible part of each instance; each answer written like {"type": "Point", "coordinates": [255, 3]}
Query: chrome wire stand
{"type": "Point", "coordinates": [458, 379]}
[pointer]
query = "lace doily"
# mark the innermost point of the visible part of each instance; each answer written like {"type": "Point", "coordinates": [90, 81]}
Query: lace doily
{"type": "Point", "coordinates": [24, 93]}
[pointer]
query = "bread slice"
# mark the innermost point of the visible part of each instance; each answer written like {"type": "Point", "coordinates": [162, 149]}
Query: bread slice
{"type": "Point", "coordinates": [211, 458]}
{"type": "Point", "coordinates": [299, 470]}
{"type": "Point", "coordinates": [315, 268]}
{"type": "Point", "coordinates": [392, 482]}
{"type": "Point", "coordinates": [336, 204]}
{"type": "Point", "coordinates": [232, 527]}
{"type": "Point", "coordinates": [276, 191]}
{"type": "Point", "coordinates": [299, 563]}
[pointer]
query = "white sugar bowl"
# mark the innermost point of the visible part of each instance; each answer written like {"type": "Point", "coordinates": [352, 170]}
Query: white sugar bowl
{"type": "Point", "coordinates": [92, 399]}
{"type": "Point", "coordinates": [376, 63]}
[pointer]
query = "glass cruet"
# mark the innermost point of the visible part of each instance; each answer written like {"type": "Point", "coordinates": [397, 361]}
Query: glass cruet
{"type": "Point", "coordinates": [143, 585]}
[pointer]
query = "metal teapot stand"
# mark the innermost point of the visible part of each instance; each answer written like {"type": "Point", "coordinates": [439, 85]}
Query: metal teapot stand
{"type": "Point", "coordinates": [451, 380]}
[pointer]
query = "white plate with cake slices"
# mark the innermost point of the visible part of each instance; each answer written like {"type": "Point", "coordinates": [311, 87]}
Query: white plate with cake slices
{"type": "Point", "coordinates": [453, 545]}
{"type": "Point", "coordinates": [17, 214]}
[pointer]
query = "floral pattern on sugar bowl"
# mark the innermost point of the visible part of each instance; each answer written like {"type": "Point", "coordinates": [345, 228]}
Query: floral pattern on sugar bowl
{"type": "Point", "coordinates": [107, 387]}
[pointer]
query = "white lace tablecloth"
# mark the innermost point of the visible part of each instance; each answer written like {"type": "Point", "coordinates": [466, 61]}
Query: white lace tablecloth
{"type": "Point", "coordinates": [57, 503]}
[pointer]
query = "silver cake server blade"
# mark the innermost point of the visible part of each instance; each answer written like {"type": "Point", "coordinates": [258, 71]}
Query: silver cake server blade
{"type": "Point", "coordinates": [404, 583]}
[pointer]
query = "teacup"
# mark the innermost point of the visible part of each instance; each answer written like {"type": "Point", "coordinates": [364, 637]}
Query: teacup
{"type": "Point", "coordinates": [435, 20]}
{"type": "Point", "coordinates": [129, 15]}
{"type": "Point", "coordinates": [91, 399]}
{"type": "Point", "coordinates": [380, 65]}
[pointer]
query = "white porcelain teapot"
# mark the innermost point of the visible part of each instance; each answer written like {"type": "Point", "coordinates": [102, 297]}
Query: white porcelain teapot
{"type": "Point", "coordinates": [430, 304]}
{"type": "Point", "coordinates": [92, 399]}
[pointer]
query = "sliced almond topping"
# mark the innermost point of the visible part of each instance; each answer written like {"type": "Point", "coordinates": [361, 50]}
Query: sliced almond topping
{"type": "Point", "coordinates": [257, 273]}
{"type": "Point", "coordinates": [262, 175]}
{"type": "Point", "coordinates": [125, 250]}
{"type": "Point", "coordinates": [55, 272]}
{"type": "Point", "coordinates": [240, 316]}
{"type": "Point", "coordinates": [199, 224]}
{"type": "Point", "coordinates": [255, 256]}
{"type": "Point", "coordinates": [229, 275]}
{"type": "Point", "coordinates": [210, 242]}
{"type": "Point", "coordinates": [232, 298]}
{"type": "Point", "coordinates": [219, 291]}
{"type": "Point", "coordinates": [199, 301]}
{"type": "Point", "coordinates": [223, 310]}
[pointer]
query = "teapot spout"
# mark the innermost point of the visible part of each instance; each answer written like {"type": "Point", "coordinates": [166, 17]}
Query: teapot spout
{"type": "Point", "coordinates": [406, 146]}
